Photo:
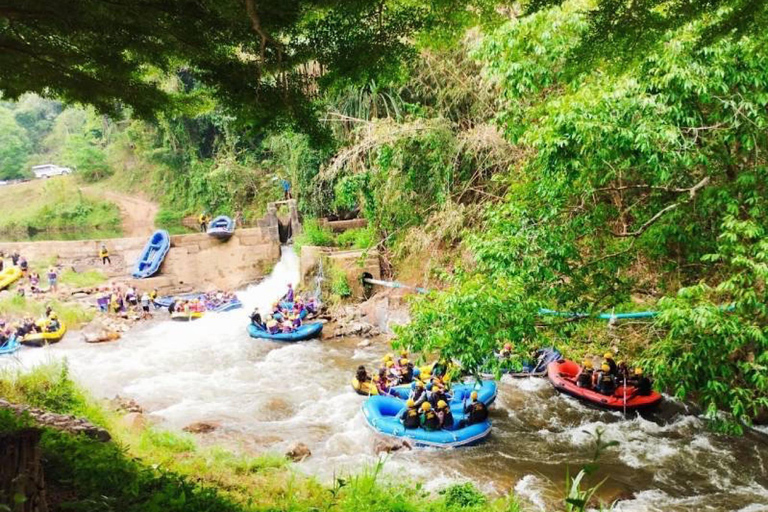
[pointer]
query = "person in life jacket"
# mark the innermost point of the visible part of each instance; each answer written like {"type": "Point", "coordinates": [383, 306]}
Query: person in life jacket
{"type": "Point", "coordinates": [613, 368]}
{"type": "Point", "coordinates": [642, 384]}
{"type": "Point", "coordinates": [429, 419]}
{"type": "Point", "coordinates": [411, 417]}
{"type": "Point", "coordinates": [476, 411]}
{"type": "Point", "coordinates": [23, 265]}
{"type": "Point", "coordinates": [603, 381]}
{"type": "Point", "coordinates": [272, 325]}
{"type": "Point", "coordinates": [444, 414]}
{"type": "Point", "coordinates": [506, 351]}
{"type": "Point", "coordinates": [406, 371]}
{"type": "Point", "coordinates": [381, 384]}
{"type": "Point", "coordinates": [362, 374]}
{"type": "Point", "coordinates": [153, 297]}
{"type": "Point", "coordinates": [585, 377]}
{"type": "Point", "coordinates": [418, 393]}
{"type": "Point", "coordinates": [104, 255]}
{"type": "Point", "coordinates": [203, 220]}
{"type": "Point", "coordinates": [53, 323]}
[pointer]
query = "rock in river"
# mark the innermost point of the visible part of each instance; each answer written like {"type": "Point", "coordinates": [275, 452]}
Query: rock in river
{"type": "Point", "coordinates": [297, 452]}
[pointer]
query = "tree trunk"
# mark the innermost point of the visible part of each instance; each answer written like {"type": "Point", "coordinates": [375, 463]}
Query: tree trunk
{"type": "Point", "coordinates": [22, 487]}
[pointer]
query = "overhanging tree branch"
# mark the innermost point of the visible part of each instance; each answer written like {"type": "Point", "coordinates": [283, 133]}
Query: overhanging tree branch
{"type": "Point", "coordinates": [691, 194]}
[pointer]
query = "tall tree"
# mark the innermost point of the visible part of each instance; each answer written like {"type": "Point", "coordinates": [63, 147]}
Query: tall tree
{"type": "Point", "coordinates": [14, 146]}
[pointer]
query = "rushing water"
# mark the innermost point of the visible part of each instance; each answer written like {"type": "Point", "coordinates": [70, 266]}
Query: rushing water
{"type": "Point", "coordinates": [268, 395]}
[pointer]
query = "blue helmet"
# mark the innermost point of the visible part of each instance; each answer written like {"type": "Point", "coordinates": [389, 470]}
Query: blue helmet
{"type": "Point", "coordinates": [416, 372]}
{"type": "Point", "coordinates": [413, 385]}
{"type": "Point", "coordinates": [429, 386]}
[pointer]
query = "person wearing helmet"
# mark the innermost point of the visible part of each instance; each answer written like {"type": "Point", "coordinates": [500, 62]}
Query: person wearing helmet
{"type": "Point", "coordinates": [439, 368]}
{"type": "Point", "coordinates": [406, 371]}
{"type": "Point", "coordinates": [604, 381]}
{"type": "Point", "coordinates": [416, 373]}
{"type": "Point", "coordinates": [476, 411]}
{"type": "Point", "coordinates": [429, 419]}
{"type": "Point", "coordinates": [584, 380]}
{"type": "Point", "coordinates": [411, 417]}
{"type": "Point", "coordinates": [418, 393]}
{"type": "Point", "coordinates": [203, 219]}
{"type": "Point", "coordinates": [438, 394]}
{"type": "Point", "coordinates": [53, 323]}
{"type": "Point", "coordinates": [444, 414]}
{"type": "Point", "coordinates": [642, 384]}
{"type": "Point", "coordinates": [613, 367]}
{"type": "Point", "coordinates": [506, 351]}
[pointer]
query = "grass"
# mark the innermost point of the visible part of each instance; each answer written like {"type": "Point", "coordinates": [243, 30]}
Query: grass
{"type": "Point", "coordinates": [86, 279]}
{"type": "Point", "coordinates": [55, 205]}
{"type": "Point", "coordinates": [152, 470]}
{"type": "Point", "coordinates": [16, 307]}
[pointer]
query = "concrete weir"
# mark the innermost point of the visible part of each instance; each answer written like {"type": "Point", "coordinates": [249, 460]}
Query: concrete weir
{"type": "Point", "coordinates": [195, 261]}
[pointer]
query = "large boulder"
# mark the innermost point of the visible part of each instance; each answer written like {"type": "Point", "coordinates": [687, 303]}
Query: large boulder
{"type": "Point", "coordinates": [297, 452]}
{"type": "Point", "coordinates": [391, 445]}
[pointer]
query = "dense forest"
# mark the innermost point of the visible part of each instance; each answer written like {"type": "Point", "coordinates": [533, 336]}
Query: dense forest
{"type": "Point", "coordinates": [583, 156]}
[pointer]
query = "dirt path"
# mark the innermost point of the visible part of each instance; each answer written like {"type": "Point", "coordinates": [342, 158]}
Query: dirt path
{"type": "Point", "coordinates": [138, 214]}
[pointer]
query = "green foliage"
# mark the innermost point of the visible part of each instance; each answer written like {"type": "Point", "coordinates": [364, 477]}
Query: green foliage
{"type": "Point", "coordinates": [463, 496]}
{"type": "Point", "coordinates": [360, 238]}
{"type": "Point", "coordinates": [14, 146]}
{"type": "Point", "coordinates": [88, 159]}
{"type": "Point", "coordinates": [340, 285]}
{"type": "Point", "coordinates": [72, 314]}
{"type": "Point", "coordinates": [312, 233]}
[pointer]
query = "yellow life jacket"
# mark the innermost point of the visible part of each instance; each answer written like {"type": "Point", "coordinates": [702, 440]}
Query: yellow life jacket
{"type": "Point", "coordinates": [103, 253]}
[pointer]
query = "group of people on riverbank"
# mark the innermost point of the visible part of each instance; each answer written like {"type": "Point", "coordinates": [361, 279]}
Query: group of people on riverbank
{"type": "Point", "coordinates": [30, 278]}
{"type": "Point", "coordinates": [610, 375]}
{"type": "Point", "coordinates": [121, 300]}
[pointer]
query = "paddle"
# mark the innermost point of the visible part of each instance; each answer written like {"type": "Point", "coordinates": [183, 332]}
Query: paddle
{"type": "Point", "coordinates": [625, 394]}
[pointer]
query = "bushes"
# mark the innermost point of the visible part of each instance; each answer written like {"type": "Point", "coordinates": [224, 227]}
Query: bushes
{"type": "Point", "coordinates": [312, 233]}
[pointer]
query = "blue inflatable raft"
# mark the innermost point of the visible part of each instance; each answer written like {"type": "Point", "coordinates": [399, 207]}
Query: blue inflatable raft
{"type": "Point", "coordinates": [10, 346]}
{"type": "Point", "coordinates": [304, 332]}
{"type": "Point", "coordinates": [228, 306]}
{"type": "Point", "coordinates": [222, 227]}
{"type": "Point", "coordinates": [382, 413]}
{"type": "Point", "coordinates": [486, 392]}
{"type": "Point", "coordinates": [153, 255]}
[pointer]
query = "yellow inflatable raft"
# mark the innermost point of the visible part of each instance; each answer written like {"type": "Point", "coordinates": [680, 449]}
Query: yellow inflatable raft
{"type": "Point", "coordinates": [44, 338]}
{"type": "Point", "coordinates": [9, 276]}
{"type": "Point", "coordinates": [367, 388]}
{"type": "Point", "coordinates": [181, 316]}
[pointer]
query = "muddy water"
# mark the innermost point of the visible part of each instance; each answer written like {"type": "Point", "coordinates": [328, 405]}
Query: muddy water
{"type": "Point", "coordinates": [269, 395]}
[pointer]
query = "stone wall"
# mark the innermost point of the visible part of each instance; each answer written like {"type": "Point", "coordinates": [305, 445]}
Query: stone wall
{"type": "Point", "coordinates": [353, 263]}
{"type": "Point", "coordinates": [195, 261]}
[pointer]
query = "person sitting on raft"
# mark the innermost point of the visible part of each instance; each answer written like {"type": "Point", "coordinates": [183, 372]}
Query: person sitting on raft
{"type": "Point", "coordinates": [612, 366]}
{"type": "Point", "coordinates": [505, 352]}
{"type": "Point", "coordinates": [444, 414]}
{"type": "Point", "coordinates": [418, 393]}
{"type": "Point", "coordinates": [642, 384]}
{"type": "Point", "coordinates": [603, 381]}
{"type": "Point", "coordinates": [411, 417]}
{"type": "Point", "coordinates": [288, 297]}
{"type": "Point", "coordinates": [53, 323]}
{"type": "Point", "coordinates": [406, 371]}
{"type": "Point", "coordinates": [257, 321]}
{"type": "Point", "coordinates": [476, 411]}
{"type": "Point", "coordinates": [584, 379]}
{"type": "Point", "coordinates": [362, 374]}
{"type": "Point", "coordinates": [272, 325]}
{"type": "Point", "coordinates": [429, 419]}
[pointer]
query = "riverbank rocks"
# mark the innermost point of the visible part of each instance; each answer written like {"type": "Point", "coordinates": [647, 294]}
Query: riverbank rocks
{"type": "Point", "coordinates": [63, 422]}
{"type": "Point", "coordinates": [134, 421]}
{"type": "Point", "coordinates": [125, 405]}
{"type": "Point", "coordinates": [391, 445]}
{"type": "Point", "coordinates": [297, 452]}
{"type": "Point", "coordinates": [365, 343]}
{"type": "Point", "coordinates": [202, 427]}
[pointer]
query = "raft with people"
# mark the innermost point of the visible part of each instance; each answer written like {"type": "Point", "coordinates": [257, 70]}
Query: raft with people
{"type": "Point", "coordinates": [535, 366]}
{"type": "Point", "coordinates": [384, 414]}
{"type": "Point", "coordinates": [222, 228]}
{"type": "Point", "coordinates": [40, 339]}
{"type": "Point", "coordinates": [487, 391]}
{"type": "Point", "coordinates": [10, 345]}
{"type": "Point", "coordinates": [301, 333]}
{"type": "Point", "coordinates": [565, 374]}
{"type": "Point", "coordinates": [152, 255]}
{"type": "Point", "coordinates": [8, 276]}
{"type": "Point", "coordinates": [186, 316]}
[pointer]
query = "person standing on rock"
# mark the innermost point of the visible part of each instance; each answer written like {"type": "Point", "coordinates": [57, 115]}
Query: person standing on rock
{"type": "Point", "coordinates": [104, 255]}
{"type": "Point", "coordinates": [286, 188]}
{"type": "Point", "coordinates": [203, 219]}
{"type": "Point", "coordinates": [53, 278]}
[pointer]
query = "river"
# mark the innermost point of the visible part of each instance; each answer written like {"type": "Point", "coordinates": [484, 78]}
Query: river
{"type": "Point", "coordinates": [268, 395]}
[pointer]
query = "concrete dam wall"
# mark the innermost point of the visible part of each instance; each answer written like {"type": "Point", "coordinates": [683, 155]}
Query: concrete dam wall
{"type": "Point", "coordinates": [195, 261]}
